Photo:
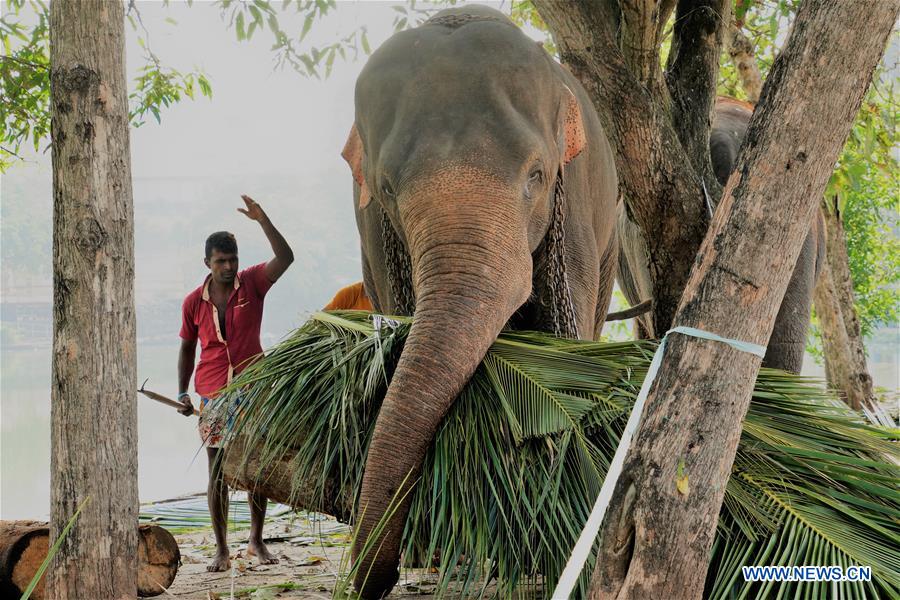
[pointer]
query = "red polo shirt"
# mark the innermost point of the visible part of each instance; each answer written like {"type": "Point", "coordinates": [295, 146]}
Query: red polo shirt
{"type": "Point", "coordinates": [221, 358]}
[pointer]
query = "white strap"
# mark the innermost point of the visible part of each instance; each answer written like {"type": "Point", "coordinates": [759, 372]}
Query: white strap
{"type": "Point", "coordinates": [582, 548]}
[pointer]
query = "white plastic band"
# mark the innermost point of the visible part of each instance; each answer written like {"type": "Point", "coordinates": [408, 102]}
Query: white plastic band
{"type": "Point", "coordinates": [582, 548]}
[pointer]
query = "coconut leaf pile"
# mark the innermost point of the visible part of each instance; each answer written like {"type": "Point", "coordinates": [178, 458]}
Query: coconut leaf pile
{"type": "Point", "coordinates": [515, 468]}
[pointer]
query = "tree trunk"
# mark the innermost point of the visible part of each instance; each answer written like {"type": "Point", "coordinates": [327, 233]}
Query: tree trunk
{"type": "Point", "coordinates": [842, 345]}
{"type": "Point", "coordinates": [835, 345]}
{"type": "Point", "coordinates": [659, 126]}
{"type": "Point", "coordinates": [661, 521]}
{"type": "Point", "coordinates": [741, 52]}
{"type": "Point", "coordinates": [24, 544]}
{"type": "Point", "coordinates": [94, 405]}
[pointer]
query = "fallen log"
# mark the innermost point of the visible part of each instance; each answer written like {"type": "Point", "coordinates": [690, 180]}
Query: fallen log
{"type": "Point", "coordinates": [158, 560]}
{"type": "Point", "coordinates": [24, 545]}
{"type": "Point", "coordinates": [242, 471]}
{"type": "Point", "coordinates": [514, 468]}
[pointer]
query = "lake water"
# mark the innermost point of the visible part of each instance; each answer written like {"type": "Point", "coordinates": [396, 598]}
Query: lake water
{"type": "Point", "coordinates": [171, 461]}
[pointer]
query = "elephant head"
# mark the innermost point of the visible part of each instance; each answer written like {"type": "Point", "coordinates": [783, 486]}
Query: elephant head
{"type": "Point", "coordinates": [464, 129]}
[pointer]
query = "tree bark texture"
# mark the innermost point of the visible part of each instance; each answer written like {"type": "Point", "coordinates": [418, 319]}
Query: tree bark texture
{"type": "Point", "coordinates": [24, 544]}
{"type": "Point", "coordinates": [740, 49]}
{"type": "Point", "coordinates": [243, 471]}
{"type": "Point", "coordinates": [842, 344]}
{"type": "Point", "coordinates": [94, 405]}
{"type": "Point", "coordinates": [659, 126]}
{"type": "Point", "coordinates": [656, 538]}
{"type": "Point", "coordinates": [835, 345]}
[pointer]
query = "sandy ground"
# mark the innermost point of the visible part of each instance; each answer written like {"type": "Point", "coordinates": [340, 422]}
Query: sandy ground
{"type": "Point", "coordinates": [310, 552]}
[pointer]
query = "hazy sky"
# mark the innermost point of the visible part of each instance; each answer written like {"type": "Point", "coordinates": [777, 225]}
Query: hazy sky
{"type": "Point", "coordinates": [259, 120]}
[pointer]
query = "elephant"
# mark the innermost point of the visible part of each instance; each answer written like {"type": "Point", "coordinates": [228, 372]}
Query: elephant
{"type": "Point", "coordinates": [485, 197]}
{"type": "Point", "coordinates": [788, 341]}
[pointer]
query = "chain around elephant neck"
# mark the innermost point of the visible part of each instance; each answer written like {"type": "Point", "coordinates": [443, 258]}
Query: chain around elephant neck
{"type": "Point", "coordinates": [399, 268]}
{"type": "Point", "coordinates": [562, 307]}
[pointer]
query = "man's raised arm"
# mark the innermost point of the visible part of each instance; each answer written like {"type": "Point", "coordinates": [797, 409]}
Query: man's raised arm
{"type": "Point", "coordinates": [284, 256]}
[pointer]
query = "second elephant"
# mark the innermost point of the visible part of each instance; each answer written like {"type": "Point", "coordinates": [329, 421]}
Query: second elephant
{"type": "Point", "coordinates": [788, 342]}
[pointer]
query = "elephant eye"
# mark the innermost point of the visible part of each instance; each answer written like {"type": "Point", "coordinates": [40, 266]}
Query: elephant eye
{"type": "Point", "coordinates": [387, 190]}
{"type": "Point", "coordinates": [534, 180]}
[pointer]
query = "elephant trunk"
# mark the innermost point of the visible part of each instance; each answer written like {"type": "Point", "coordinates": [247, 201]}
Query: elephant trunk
{"type": "Point", "coordinates": [469, 279]}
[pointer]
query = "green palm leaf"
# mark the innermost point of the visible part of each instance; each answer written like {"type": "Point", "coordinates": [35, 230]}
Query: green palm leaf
{"type": "Point", "coordinates": [516, 465]}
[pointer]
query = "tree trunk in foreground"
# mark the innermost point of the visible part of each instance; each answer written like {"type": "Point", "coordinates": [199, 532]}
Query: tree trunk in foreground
{"type": "Point", "coordinates": [842, 345]}
{"type": "Point", "coordinates": [660, 524]}
{"type": "Point", "coordinates": [94, 405]}
{"type": "Point", "coordinates": [24, 544]}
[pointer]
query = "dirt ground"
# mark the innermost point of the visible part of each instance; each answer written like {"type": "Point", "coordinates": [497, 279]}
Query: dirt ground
{"type": "Point", "coordinates": [310, 551]}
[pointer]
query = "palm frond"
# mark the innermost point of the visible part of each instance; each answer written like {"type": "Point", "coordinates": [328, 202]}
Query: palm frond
{"type": "Point", "coordinates": [514, 469]}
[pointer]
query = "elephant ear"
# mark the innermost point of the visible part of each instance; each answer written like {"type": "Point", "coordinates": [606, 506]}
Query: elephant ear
{"type": "Point", "coordinates": [353, 154]}
{"type": "Point", "coordinates": [574, 128]}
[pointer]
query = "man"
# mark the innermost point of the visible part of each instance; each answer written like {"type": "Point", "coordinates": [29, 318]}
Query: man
{"type": "Point", "coordinates": [351, 297]}
{"type": "Point", "coordinates": [225, 314]}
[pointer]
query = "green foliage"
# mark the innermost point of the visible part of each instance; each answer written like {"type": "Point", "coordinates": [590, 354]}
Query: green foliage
{"type": "Point", "coordinates": [247, 18]}
{"type": "Point", "coordinates": [874, 254]}
{"type": "Point", "coordinates": [411, 15]}
{"type": "Point", "coordinates": [156, 85]}
{"type": "Point", "coordinates": [865, 185]}
{"type": "Point", "coordinates": [25, 77]}
{"type": "Point", "coordinates": [617, 331]}
{"type": "Point", "coordinates": [516, 465]}
{"type": "Point", "coordinates": [524, 14]}
{"type": "Point", "coordinates": [765, 23]}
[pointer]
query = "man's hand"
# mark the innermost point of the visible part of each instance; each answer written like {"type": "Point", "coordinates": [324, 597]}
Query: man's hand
{"type": "Point", "coordinates": [283, 254]}
{"type": "Point", "coordinates": [188, 409]}
{"type": "Point", "coordinates": [253, 211]}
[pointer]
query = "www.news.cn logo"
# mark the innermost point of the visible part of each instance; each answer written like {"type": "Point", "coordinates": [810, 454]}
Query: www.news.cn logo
{"type": "Point", "coordinates": [807, 573]}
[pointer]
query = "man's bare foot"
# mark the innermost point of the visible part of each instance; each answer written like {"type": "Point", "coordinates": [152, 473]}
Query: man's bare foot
{"type": "Point", "coordinates": [221, 562]}
{"type": "Point", "coordinates": [261, 553]}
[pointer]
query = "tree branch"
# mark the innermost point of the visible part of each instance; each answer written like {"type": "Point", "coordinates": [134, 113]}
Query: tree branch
{"type": "Point", "coordinates": [25, 63]}
{"type": "Point", "coordinates": [642, 30]}
{"type": "Point", "coordinates": [692, 74]}
{"type": "Point", "coordinates": [667, 505]}
{"type": "Point", "coordinates": [741, 51]}
{"type": "Point", "coordinates": [662, 193]}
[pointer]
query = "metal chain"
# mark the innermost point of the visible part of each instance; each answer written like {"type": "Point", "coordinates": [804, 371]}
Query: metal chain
{"type": "Point", "coordinates": [398, 266]}
{"type": "Point", "coordinates": [562, 307]}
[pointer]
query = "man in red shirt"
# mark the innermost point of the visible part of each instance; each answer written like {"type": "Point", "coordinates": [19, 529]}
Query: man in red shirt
{"type": "Point", "coordinates": [225, 314]}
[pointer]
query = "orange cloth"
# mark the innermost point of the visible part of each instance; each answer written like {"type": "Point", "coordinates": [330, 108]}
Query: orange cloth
{"type": "Point", "coordinates": [352, 297]}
